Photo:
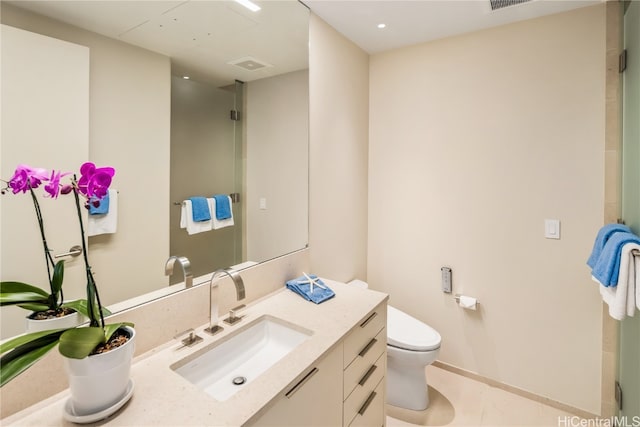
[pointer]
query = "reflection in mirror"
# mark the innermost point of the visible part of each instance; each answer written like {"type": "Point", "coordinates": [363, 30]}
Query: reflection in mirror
{"type": "Point", "coordinates": [169, 138]}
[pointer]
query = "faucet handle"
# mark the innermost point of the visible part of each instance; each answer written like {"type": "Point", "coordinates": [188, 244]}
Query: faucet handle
{"type": "Point", "coordinates": [190, 339]}
{"type": "Point", "coordinates": [233, 317]}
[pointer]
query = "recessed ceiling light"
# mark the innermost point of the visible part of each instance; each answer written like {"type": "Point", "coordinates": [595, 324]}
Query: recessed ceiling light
{"type": "Point", "coordinates": [186, 77]}
{"type": "Point", "coordinates": [249, 5]}
{"type": "Point", "coordinates": [381, 26]}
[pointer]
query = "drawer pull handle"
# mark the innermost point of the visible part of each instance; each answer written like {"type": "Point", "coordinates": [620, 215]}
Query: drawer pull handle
{"type": "Point", "coordinates": [300, 383]}
{"type": "Point", "coordinates": [368, 319]}
{"type": "Point", "coordinates": [366, 376]}
{"type": "Point", "coordinates": [367, 347]}
{"type": "Point", "coordinates": [367, 403]}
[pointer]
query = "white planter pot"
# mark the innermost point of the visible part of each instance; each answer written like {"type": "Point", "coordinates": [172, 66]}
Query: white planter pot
{"type": "Point", "coordinates": [100, 381]}
{"type": "Point", "coordinates": [68, 321]}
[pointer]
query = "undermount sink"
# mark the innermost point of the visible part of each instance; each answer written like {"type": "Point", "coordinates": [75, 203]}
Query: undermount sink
{"type": "Point", "coordinates": [226, 368]}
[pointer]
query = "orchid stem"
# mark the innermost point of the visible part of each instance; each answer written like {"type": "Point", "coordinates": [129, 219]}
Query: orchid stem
{"type": "Point", "coordinates": [47, 252]}
{"type": "Point", "coordinates": [92, 291]}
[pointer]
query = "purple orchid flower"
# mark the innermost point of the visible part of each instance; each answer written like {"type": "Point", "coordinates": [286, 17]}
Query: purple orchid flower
{"type": "Point", "coordinates": [26, 177]}
{"type": "Point", "coordinates": [94, 182]}
{"type": "Point", "coordinates": [53, 188]}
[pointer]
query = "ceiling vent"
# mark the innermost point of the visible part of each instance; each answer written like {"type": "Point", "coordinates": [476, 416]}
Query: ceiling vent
{"type": "Point", "coordinates": [499, 4]}
{"type": "Point", "coordinates": [249, 63]}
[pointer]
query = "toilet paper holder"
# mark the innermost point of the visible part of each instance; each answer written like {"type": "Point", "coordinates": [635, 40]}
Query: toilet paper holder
{"type": "Point", "coordinates": [457, 298]}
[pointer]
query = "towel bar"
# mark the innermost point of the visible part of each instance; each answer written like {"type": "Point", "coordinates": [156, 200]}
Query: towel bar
{"type": "Point", "coordinates": [235, 198]}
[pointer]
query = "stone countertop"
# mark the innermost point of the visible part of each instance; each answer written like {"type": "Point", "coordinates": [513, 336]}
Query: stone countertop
{"type": "Point", "coordinates": [163, 398]}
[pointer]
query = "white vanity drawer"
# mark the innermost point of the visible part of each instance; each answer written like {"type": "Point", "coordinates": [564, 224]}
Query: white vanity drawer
{"type": "Point", "coordinates": [361, 397]}
{"type": "Point", "coordinates": [371, 414]}
{"type": "Point", "coordinates": [362, 336]}
{"type": "Point", "coordinates": [358, 373]}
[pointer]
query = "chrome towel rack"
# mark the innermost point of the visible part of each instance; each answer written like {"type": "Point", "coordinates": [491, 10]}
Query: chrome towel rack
{"type": "Point", "coordinates": [635, 251]}
{"type": "Point", "coordinates": [235, 198]}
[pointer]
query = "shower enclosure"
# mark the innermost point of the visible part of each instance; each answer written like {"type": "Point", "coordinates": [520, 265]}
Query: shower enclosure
{"type": "Point", "coordinates": [629, 361]}
{"type": "Point", "coordinates": [206, 159]}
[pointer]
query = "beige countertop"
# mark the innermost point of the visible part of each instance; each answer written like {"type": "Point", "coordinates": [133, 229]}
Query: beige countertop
{"type": "Point", "coordinates": [163, 397]}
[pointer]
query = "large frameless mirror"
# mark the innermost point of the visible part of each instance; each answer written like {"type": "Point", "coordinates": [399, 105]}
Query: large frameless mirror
{"type": "Point", "coordinates": [183, 99]}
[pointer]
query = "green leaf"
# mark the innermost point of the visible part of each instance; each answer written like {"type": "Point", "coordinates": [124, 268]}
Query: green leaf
{"type": "Point", "coordinates": [28, 339]}
{"type": "Point", "coordinates": [11, 287]}
{"type": "Point", "coordinates": [110, 329]}
{"type": "Point", "coordinates": [79, 343]}
{"type": "Point", "coordinates": [58, 276]}
{"type": "Point", "coordinates": [15, 298]}
{"type": "Point", "coordinates": [12, 368]}
{"type": "Point", "coordinates": [15, 293]}
{"type": "Point", "coordinates": [79, 305]}
{"type": "Point", "coordinates": [35, 307]}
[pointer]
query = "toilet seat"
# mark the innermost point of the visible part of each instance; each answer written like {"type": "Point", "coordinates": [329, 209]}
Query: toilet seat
{"type": "Point", "coordinates": [406, 332]}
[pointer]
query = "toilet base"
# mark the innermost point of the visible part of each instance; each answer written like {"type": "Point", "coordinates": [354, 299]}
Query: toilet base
{"type": "Point", "coordinates": [406, 386]}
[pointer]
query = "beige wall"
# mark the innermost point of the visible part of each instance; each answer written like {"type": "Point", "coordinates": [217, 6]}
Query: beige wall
{"type": "Point", "coordinates": [339, 104]}
{"type": "Point", "coordinates": [129, 112]}
{"type": "Point", "coordinates": [45, 123]}
{"type": "Point", "coordinates": [277, 131]}
{"type": "Point", "coordinates": [475, 140]}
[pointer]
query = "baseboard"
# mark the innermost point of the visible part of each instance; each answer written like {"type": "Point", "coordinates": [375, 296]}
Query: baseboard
{"type": "Point", "coordinates": [515, 390]}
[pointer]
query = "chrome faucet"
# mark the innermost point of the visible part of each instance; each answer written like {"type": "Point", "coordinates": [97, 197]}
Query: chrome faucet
{"type": "Point", "coordinates": [186, 269]}
{"type": "Point", "coordinates": [214, 328]}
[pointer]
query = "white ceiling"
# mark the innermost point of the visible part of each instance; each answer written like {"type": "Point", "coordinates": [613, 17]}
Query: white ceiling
{"type": "Point", "coordinates": [201, 37]}
{"type": "Point", "coordinates": [417, 21]}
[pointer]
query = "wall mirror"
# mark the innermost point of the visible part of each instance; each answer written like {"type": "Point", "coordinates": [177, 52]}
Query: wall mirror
{"type": "Point", "coordinates": [163, 78]}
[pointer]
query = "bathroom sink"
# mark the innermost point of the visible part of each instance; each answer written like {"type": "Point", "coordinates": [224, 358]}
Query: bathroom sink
{"type": "Point", "coordinates": [226, 368]}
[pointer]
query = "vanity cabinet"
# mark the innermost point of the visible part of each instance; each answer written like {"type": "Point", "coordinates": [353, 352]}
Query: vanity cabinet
{"type": "Point", "coordinates": [364, 365]}
{"type": "Point", "coordinates": [345, 388]}
{"type": "Point", "coordinates": [315, 399]}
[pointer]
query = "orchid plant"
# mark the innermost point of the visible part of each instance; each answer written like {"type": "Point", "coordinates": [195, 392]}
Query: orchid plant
{"type": "Point", "coordinates": [25, 180]}
{"type": "Point", "coordinates": [20, 353]}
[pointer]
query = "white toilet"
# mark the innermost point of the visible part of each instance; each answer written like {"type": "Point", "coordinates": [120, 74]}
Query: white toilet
{"type": "Point", "coordinates": [411, 346]}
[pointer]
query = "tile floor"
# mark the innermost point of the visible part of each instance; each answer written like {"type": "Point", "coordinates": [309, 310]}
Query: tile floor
{"type": "Point", "coordinates": [460, 401]}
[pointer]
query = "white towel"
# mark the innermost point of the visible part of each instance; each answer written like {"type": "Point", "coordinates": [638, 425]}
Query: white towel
{"type": "Point", "coordinates": [636, 259]}
{"type": "Point", "coordinates": [622, 298]}
{"type": "Point", "coordinates": [105, 223]}
{"type": "Point", "coordinates": [219, 223]}
{"type": "Point", "coordinates": [186, 220]}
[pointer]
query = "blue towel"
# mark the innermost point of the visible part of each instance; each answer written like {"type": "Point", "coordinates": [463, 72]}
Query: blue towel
{"type": "Point", "coordinates": [223, 207]}
{"type": "Point", "coordinates": [302, 287]}
{"type": "Point", "coordinates": [102, 208]}
{"type": "Point", "coordinates": [601, 239]}
{"type": "Point", "coordinates": [608, 265]}
{"type": "Point", "coordinates": [200, 208]}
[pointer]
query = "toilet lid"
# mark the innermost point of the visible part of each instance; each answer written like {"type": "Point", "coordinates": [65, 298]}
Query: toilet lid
{"type": "Point", "coordinates": [404, 331]}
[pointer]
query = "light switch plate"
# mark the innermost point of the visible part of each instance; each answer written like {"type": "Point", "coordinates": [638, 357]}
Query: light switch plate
{"type": "Point", "coordinates": [552, 228]}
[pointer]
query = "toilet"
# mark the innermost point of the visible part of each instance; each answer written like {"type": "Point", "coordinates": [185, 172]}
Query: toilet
{"type": "Point", "coordinates": [411, 346]}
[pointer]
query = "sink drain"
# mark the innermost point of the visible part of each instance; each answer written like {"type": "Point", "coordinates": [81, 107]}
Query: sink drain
{"type": "Point", "coordinates": [239, 380]}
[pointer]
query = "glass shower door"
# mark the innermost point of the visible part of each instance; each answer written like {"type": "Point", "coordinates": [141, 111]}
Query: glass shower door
{"type": "Point", "coordinates": [629, 361]}
{"type": "Point", "coordinates": [206, 159]}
